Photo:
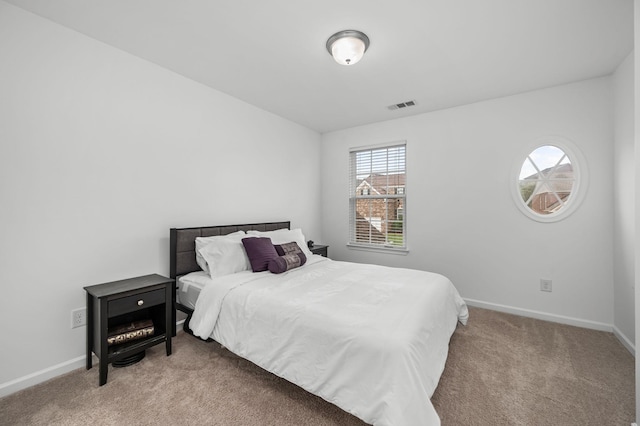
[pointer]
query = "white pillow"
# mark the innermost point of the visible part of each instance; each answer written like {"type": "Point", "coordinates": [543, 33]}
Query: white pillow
{"type": "Point", "coordinates": [203, 241]}
{"type": "Point", "coordinates": [225, 256]}
{"type": "Point", "coordinates": [281, 236]}
{"type": "Point", "coordinates": [199, 278]}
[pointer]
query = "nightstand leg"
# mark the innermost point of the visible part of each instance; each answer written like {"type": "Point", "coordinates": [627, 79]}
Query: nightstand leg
{"type": "Point", "coordinates": [169, 315]}
{"type": "Point", "coordinates": [104, 332]}
{"type": "Point", "coordinates": [89, 330]}
{"type": "Point", "coordinates": [104, 368]}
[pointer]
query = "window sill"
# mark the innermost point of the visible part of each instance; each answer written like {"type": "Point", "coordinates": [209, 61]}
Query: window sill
{"type": "Point", "coordinates": [379, 249]}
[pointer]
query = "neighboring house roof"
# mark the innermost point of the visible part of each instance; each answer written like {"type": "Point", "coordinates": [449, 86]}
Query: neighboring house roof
{"type": "Point", "coordinates": [380, 182]}
{"type": "Point", "coordinates": [549, 195]}
{"type": "Point", "coordinates": [365, 184]}
{"type": "Point", "coordinates": [564, 171]}
{"type": "Point", "coordinates": [562, 168]}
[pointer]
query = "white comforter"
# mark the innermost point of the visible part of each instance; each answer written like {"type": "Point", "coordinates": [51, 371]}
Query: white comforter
{"type": "Point", "coordinates": [370, 339]}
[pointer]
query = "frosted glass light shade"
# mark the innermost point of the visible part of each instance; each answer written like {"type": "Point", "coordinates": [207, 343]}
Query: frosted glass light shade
{"type": "Point", "coordinates": [347, 47]}
{"type": "Point", "coordinates": [347, 50]}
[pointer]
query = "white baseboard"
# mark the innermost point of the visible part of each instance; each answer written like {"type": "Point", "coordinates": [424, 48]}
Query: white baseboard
{"type": "Point", "coordinates": [41, 376]}
{"type": "Point", "coordinates": [594, 325]}
{"type": "Point", "coordinates": [557, 318]}
{"type": "Point", "coordinates": [624, 340]}
{"type": "Point", "coordinates": [54, 371]}
{"type": "Point", "coordinates": [79, 362]}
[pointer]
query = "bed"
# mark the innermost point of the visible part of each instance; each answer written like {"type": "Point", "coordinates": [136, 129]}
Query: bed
{"type": "Point", "coordinates": [370, 339]}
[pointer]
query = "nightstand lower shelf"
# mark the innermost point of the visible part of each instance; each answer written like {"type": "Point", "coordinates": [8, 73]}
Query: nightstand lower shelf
{"type": "Point", "coordinates": [119, 351]}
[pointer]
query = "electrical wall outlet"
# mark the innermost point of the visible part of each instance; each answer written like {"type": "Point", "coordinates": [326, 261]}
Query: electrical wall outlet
{"type": "Point", "coordinates": [78, 317]}
{"type": "Point", "coordinates": [545, 285]}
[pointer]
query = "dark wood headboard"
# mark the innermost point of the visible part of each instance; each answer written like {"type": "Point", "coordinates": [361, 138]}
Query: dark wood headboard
{"type": "Point", "coordinates": [182, 241]}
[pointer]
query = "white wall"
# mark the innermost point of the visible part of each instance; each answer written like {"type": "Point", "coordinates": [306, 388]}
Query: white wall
{"type": "Point", "coordinates": [100, 154]}
{"type": "Point", "coordinates": [624, 201]}
{"type": "Point", "coordinates": [462, 220]}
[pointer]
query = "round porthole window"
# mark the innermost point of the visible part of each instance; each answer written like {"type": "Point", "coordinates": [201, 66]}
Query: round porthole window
{"type": "Point", "coordinates": [550, 181]}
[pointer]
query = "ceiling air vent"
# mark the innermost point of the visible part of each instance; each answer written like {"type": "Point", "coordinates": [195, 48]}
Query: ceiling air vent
{"type": "Point", "coordinates": [402, 105]}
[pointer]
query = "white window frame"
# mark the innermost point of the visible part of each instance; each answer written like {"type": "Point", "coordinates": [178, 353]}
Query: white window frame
{"type": "Point", "coordinates": [579, 172]}
{"type": "Point", "coordinates": [355, 195]}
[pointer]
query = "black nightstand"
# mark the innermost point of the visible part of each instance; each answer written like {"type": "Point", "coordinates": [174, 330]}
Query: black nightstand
{"type": "Point", "coordinates": [319, 249]}
{"type": "Point", "coordinates": [109, 305]}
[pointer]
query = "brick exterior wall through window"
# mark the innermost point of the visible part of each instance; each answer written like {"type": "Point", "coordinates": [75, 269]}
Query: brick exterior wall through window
{"type": "Point", "coordinates": [379, 216]}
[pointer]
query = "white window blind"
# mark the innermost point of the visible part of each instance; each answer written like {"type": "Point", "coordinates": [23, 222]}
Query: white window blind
{"type": "Point", "coordinates": [377, 200]}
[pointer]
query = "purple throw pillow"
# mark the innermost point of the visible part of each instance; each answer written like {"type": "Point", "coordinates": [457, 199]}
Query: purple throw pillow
{"type": "Point", "coordinates": [290, 248]}
{"type": "Point", "coordinates": [290, 257]}
{"type": "Point", "coordinates": [260, 251]}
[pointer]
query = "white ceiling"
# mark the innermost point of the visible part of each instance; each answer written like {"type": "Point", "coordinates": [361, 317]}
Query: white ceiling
{"type": "Point", "coordinates": [442, 53]}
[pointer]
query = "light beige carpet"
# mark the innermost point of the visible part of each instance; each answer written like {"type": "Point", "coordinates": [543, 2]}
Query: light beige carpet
{"type": "Point", "coordinates": [502, 370]}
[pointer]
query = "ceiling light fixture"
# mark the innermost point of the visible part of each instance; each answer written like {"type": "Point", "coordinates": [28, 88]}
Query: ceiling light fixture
{"type": "Point", "coordinates": [347, 47]}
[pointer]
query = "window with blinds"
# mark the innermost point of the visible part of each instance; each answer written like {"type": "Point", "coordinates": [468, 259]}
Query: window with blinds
{"type": "Point", "coordinates": [377, 201]}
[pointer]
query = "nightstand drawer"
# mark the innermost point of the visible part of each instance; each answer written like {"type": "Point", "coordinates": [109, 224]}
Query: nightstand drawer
{"type": "Point", "coordinates": [136, 302]}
